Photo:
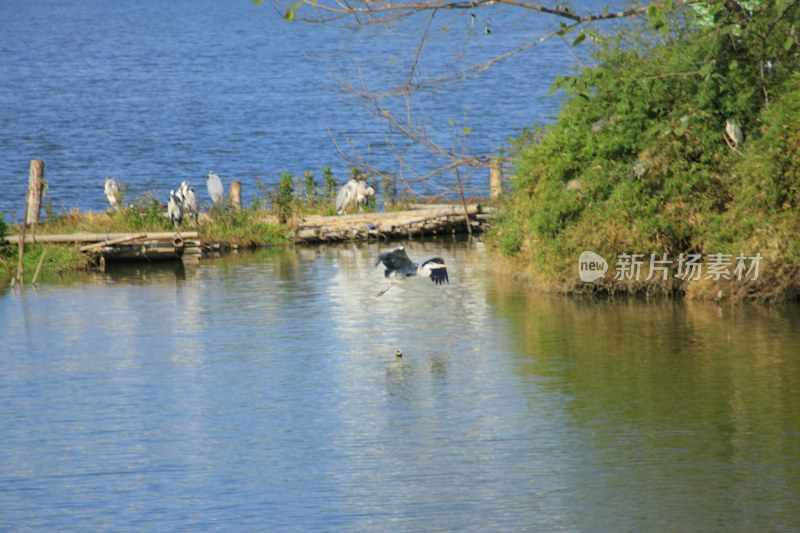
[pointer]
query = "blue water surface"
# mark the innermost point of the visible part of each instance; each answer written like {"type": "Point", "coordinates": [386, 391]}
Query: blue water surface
{"type": "Point", "coordinates": [262, 392]}
{"type": "Point", "coordinates": [154, 92]}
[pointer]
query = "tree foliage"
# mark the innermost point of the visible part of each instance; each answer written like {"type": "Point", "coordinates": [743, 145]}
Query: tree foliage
{"type": "Point", "coordinates": [638, 162]}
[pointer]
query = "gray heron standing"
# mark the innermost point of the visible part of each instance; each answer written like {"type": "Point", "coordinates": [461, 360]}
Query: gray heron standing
{"type": "Point", "coordinates": [215, 189]}
{"type": "Point", "coordinates": [734, 133]}
{"type": "Point", "coordinates": [113, 193]}
{"type": "Point", "coordinates": [191, 202]}
{"type": "Point", "coordinates": [174, 208]}
{"type": "Point", "coordinates": [399, 266]}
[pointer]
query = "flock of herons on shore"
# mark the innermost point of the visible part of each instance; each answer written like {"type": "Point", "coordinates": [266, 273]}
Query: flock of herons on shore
{"type": "Point", "coordinates": [184, 203]}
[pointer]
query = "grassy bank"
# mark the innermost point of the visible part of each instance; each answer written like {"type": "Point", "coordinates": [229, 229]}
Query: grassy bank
{"type": "Point", "coordinates": [637, 161]}
{"type": "Point", "coordinates": [252, 226]}
{"type": "Point", "coordinates": [267, 221]}
{"type": "Point", "coordinates": [249, 227]}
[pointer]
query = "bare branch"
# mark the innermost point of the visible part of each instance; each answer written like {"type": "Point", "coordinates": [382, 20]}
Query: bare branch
{"type": "Point", "coordinates": [381, 12]}
{"type": "Point", "coordinates": [360, 13]}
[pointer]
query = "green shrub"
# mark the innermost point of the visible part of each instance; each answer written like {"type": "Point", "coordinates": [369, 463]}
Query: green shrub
{"type": "Point", "coordinates": [637, 160]}
{"type": "Point", "coordinates": [331, 185]}
{"type": "Point", "coordinates": [284, 197]}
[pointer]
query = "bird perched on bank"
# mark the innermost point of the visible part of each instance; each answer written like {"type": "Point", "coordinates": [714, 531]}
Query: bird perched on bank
{"type": "Point", "coordinates": [175, 209]}
{"type": "Point", "coordinates": [215, 189]}
{"type": "Point", "coordinates": [399, 266]}
{"type": "Point", "coordinates": [191, 203]}
{"type": "Point", "coordinates": [734, 133]}
{"type": "Point", "coordinates": [351, 194]}
{"type": "Point", "coordinates": [345, 197]}
{"type": "Point", "coordinates": [113, 193]}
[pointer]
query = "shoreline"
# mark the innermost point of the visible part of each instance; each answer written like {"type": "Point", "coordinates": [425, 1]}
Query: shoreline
{"type": "Point", "coordinates": [777, 283]}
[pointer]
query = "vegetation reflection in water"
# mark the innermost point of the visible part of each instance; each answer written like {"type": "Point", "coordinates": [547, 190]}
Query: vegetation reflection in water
{"type": "Point", "coordinates": [684, 415]}
{"type": "Point", "coordinates": [263, 388]}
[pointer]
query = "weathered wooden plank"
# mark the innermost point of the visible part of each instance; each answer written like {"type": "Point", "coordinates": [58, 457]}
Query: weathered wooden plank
{"type": "Point", "coordinates": [89, 247]}
{"type": "Point", "coordinates": [97, 237]}
{"type": "Point", "coordinates": [151, 252]}
{"type": "Point", "coordinates": [422, 220]}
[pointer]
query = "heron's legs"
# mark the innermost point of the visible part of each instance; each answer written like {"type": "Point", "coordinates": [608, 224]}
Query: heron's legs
{"type": "Point", "coordinates": [391, 284]}
{"type": "Point", "coordinates": [731, 144]}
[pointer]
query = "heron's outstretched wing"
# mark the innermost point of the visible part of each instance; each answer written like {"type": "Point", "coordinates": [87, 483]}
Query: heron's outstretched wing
{"type": "Point", "coordinates": [434, 268]}
{"type": "Point", "coordinates": [396, 260]}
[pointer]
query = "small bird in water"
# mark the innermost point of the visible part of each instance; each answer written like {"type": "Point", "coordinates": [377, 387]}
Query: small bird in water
{"type": "Point", "coordinates": [113, 193]}
{"type": "Point", "coordinates": [399, 266]}
{"type": "Point", "coordinates": [175, 209]}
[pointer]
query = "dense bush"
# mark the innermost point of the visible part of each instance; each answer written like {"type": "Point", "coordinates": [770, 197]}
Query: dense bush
{"type": "Point", "coordinates": [637, 160]}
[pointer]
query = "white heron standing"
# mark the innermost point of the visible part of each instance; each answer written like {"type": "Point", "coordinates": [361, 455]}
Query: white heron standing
{"type": "Point", "coordinates": [113, 193]}
{"type": "Point", "coordinates": [734, 133]}
{"type": "Point", "coordinates": [215, 189]}
{"type": "Point", "coordinates": [191, 202]}
{"type": "Point", "coordinates": [351, 194]}
{"type": "Point", "coordinates": [175, 209]}
{"type": "Point", "coordinates": [399, 266]}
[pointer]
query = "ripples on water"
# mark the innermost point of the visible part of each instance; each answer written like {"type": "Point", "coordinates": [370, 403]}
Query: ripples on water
{"type": "Point", "coordinates": [262, 392]}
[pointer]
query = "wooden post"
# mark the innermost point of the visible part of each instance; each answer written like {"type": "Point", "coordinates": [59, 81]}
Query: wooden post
{"type": "Point", "coordinates": [35, 189]}
{"type": "Point", "coordinates": [495, 177]}
{"type": "Point", "coordinates": [236, 195]}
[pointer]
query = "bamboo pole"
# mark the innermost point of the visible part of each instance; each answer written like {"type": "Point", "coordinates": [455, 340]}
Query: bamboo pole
{"type": "Point", "coordinates": [97, 237]}
{"type": "Point", "coordinates": [21, 241]}
{"type": "Point", "coordinates": [90, 247]}
{"type": "Point", "coordinates": [39, 266]}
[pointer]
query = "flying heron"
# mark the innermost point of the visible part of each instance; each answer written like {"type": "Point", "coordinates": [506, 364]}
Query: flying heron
{"type": "Point", "coordinates": [215, 189]}
{"type": "Point", "coordinates": [174, 209]}
{"type": "Point", "coordinates": [353, 193]}
{"type": "Point", "coordinates": [113, 193]}
{"type": "Point", "coordinates": [190, 200]}
{"type": "Point", "coordinates": [734, 133]}
{"type": "Point", "coordinates": [399, 266]}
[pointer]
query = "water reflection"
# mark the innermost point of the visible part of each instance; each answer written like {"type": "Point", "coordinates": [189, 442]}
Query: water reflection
{"type": "Point", "coordinates": [686, 412]}
{"type": "Point", "coordinates": [261, 391]}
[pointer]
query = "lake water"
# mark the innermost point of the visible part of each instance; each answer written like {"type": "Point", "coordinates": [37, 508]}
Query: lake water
{"type": "Point", "coordinates": [262, 392]}
{"type": "Point", "coordinates": [155, 92]}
